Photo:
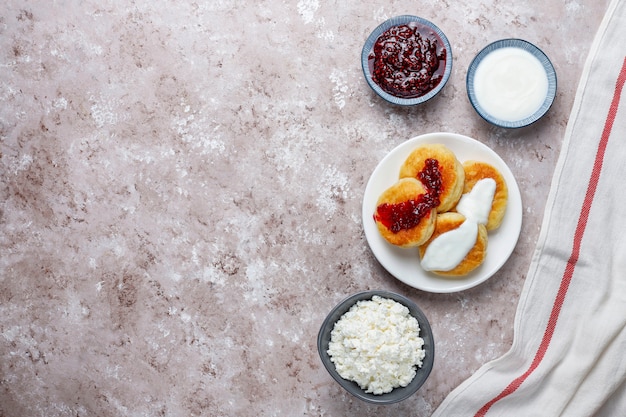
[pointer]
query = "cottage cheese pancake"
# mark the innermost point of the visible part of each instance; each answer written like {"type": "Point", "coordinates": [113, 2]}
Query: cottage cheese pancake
{"type": "Point", "coordinates": [478, 170]}
{"type": "Point", "coordinates": [404, 214]}
{"type": "Point", "coordinates": [451, 171]}
{"type": "Point", "coordinates": [456, 247]}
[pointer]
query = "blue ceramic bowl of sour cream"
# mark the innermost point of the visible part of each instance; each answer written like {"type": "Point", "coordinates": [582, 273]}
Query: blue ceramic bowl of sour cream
{"type": "Point", "coordinates": [397, 394]}
{"type": "Point", "coordinates": [511, 83]}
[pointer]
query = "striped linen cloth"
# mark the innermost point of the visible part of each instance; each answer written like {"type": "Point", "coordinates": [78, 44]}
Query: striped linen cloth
{"type": "Point", "coordinates": [568, 356]}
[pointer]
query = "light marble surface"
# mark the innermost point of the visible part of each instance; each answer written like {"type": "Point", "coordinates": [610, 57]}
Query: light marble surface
{"type": "Point", "coordinates": [180, 198]}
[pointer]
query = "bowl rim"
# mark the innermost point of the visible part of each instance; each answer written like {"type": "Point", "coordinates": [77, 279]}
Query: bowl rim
{"type": "Point", "coordinates": [537, 53]}
{"type": "Point", "coordinates": [369, 43]}
{"type": "Point", "coordinates": [397, 394]}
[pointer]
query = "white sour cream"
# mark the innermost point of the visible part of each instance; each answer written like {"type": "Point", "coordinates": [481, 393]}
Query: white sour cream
{"type": "Point", "coordinates": [476, 205]}
{"type": "Point", "coordinates": [510, 84]}
{"type": "Point", "coordinates": [449, 249]}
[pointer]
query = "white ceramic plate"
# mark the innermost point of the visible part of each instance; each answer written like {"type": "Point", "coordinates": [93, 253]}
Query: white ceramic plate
{"type": "Point", "coordinates": [404, 264]}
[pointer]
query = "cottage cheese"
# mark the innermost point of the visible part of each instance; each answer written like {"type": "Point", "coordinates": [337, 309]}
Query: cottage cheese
{"type": "Point", "coordinates": [377, 345]}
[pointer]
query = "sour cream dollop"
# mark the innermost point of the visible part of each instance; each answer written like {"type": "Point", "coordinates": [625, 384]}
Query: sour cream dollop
{"type": "Point", "coordinates": [476, 205]}
{"type": "Point", "coordinates": [449, 249]}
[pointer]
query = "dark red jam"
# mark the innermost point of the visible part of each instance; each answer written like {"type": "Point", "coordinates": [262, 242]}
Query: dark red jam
{"type": "Point", "coordinates": [408, 61]}
{"type": "Point", "coordinates": [407, 214]}
{"type": "Point", "coordinates": [430, 176]}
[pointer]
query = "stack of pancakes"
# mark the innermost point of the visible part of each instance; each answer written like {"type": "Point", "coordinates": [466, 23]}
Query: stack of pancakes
{"type": "Point", "coordinates": [455, 179]}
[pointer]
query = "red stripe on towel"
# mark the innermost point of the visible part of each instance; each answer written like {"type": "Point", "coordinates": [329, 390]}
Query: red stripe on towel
{"type": "Point", "coordinates": [573, 259]}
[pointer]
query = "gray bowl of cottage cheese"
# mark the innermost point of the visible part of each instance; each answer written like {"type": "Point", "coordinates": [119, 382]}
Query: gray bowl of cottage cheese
{"type": "Point", "coordinates": [377, 345]}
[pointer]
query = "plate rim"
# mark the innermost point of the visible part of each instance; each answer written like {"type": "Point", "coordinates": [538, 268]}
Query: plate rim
{"type": "Point", "coordinates": [537, 53]}
{"type": "Point", "coordinates": [436, 284]}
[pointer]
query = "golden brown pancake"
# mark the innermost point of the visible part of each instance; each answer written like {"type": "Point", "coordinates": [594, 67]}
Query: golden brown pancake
{"type": "Point", "coordinates": [449, 221]}
{"type": "Point", "coordinates": [452, 173]}
{"type": "Point", "coordinates": [476, 171]}
{"type": "Point", "coordinates": [406, 230]}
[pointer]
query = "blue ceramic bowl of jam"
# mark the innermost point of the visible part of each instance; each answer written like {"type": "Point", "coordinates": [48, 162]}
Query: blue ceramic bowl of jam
{"type": "Point", "coordinates": [407, 60]}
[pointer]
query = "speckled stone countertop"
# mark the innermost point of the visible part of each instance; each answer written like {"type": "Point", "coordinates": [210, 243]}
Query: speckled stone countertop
{"type": "Point", "coordinates": [180, 198]}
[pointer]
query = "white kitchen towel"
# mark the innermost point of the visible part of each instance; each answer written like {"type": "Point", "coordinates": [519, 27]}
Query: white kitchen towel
{"type": "Point", "coordinates": [568, 356]}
